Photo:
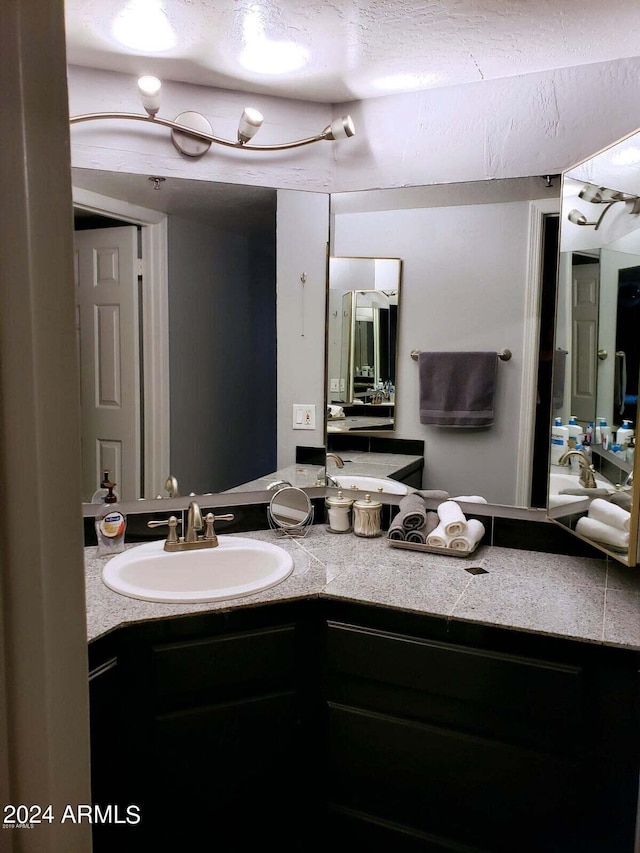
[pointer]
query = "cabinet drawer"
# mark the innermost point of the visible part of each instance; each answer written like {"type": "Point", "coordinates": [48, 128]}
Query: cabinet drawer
{"type": "Point", "coordinates": [465, 789]}
{"type": "Point", "coordinates": [510, 697]}
{"type": "Point", "coordinates": [247, 662]}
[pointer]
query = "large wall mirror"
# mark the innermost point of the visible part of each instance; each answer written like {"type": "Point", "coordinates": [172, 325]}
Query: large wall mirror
{"type": "Point", "coordinates": [597, 354]}
{"type": "Point", "coordinates": [362, 336]}
{"type": "Point", "coordinates": [155, 403]}
{"type": "Point", "coordinates": [459, 283]}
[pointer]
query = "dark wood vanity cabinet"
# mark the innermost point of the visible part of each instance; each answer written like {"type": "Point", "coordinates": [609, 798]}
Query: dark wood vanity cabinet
{"type": "Point", "coordinates": [442, 736]}
{"type": "Point", "coordinates": [322, 724]}
{"type": "Point", "coordinates": [216, 732]}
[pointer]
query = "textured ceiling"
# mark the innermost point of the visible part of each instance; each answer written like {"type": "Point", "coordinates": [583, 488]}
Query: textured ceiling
{"type": "Point", "coordinates": [350, 49]}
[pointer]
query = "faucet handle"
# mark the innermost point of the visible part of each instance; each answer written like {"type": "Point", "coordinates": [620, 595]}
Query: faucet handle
{"type": "Point", "coordinates": [209, 519]}
{"type": "Point", "coordinates": [172, 523]}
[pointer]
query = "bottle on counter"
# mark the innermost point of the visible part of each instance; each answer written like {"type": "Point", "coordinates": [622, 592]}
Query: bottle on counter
{"type": "Point", "coordinates": [575, 430]}
{"type": "Point", "coordinates": [100, 494]}
{"type": "Point", "coordinates": [624, 433]}
{"type": "Point", "coordinates": [559, 440]}
{"type": "Point", "coordinates": [631, 450]}
{"type": "Point", "coordinates": [110, 525]}
{"type": "Point", "coordinates": [605, 435]}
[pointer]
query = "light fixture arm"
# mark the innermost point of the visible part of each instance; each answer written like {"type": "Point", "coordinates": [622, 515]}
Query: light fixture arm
{"type": "Point", "coordinates": [604, 212]}
{"type": "Point", "coordinates": [198, 134]}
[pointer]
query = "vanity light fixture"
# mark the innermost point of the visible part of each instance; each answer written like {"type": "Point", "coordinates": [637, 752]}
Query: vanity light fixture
{"type": "Point", "coordinates": [602, 195]}
{"type": "Point", "coordinates": [192, 134]}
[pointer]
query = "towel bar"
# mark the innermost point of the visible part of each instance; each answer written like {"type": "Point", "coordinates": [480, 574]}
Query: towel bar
{"type": "Point", "coordinates": [503, 355]}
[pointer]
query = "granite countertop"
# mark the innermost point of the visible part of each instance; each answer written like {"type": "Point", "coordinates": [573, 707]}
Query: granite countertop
{"type": "Point", "coordinates": [579, 598]}
{"type": "Point", "coordinates": [356, 462]}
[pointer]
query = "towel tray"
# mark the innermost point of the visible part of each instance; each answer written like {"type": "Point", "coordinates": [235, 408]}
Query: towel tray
{"type": "Point", "coordinates": [431, 549]}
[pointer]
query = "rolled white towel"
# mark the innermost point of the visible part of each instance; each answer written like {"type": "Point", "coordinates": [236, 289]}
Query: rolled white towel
{"type": "Point", "coordinates": [609, 513]}
{"type": "Point", "coordinates": [591, 528]}
{"type": "Point", "coordinates": [469, 539]}
{"type": "Point", "coordinates": [470, 499]}
{"type": "Point", "coordinates": [438, 538]}
{"type": "Point", "coordinates": [452, 518]}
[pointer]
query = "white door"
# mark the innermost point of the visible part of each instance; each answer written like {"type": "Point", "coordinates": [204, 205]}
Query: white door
{"type": "Point", "coordinates": [106, 270]}
{"type": "Point", "coordinates": [585, 284]}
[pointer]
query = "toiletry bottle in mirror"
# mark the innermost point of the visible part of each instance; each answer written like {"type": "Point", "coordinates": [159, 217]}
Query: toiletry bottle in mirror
{"type": "Point", "coordinates": [575, 431]}
{"type": "Point", "coordinates": [605, 435]}
{"type": "Point", "coordinates": [624, 433]}
{"type": "Point", "coordinates": [559, 440]}
{"type": "Point", "coordinates": [110, 525]}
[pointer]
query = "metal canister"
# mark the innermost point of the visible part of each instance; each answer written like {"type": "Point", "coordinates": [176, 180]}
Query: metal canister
{"type": "Point", "coordinates": [367, 517]}
{"type": "Point", "coordinates": [339, 512]}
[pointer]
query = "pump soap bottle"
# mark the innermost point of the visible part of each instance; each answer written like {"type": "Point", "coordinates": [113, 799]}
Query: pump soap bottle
{"type": "Point", "coordinates": [110, 525]}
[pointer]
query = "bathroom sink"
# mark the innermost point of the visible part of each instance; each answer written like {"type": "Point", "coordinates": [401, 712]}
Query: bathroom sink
{"type": "Point", "coordinates": [238, 566]}
{"type": "Point", "coordinates": [558, 482]}
{"type": "Point", "coordinates": [370, 484]}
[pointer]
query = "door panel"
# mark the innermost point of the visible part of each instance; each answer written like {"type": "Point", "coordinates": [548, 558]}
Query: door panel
{"type": "Point", "coordinates": [107, 298]}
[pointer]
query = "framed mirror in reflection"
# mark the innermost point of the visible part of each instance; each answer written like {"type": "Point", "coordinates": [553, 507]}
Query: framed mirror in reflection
{"type": "Point", "coordinates": [597, 354]}
{"type": "Point", "coordinates": [362, 343]}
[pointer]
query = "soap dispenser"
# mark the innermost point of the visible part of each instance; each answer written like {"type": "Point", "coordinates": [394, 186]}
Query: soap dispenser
{"type": "Point", "coordinates": [110, 524]}
{"type": "Point", "coordinates": [624, 433]}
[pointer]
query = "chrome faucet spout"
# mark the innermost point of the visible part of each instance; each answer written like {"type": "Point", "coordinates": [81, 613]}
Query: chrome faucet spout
{"type": "Point", "coordinates": [587, 472]}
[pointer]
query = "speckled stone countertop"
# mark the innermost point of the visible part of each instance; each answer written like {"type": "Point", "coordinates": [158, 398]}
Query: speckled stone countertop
{"type": "Point", "coordinates": [356, 462]}
{"type": "Point", "coordinates": [584, 599]}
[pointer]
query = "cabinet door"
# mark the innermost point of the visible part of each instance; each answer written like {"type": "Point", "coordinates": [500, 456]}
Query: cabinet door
{"type": "Point", "coordinates": [457, 746]}
{"type": "Point", "coordinates": [226, 741]}
{"type": "Point", "coordinates": [114, 826]}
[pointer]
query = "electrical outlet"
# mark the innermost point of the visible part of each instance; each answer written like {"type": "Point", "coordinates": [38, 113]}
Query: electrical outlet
{"type": "Point", "coordinates": [342, 384]}
{"type": "Point", "coordinates": [334, 385]}
{"type": "Point", "coordinates": [304, 416]}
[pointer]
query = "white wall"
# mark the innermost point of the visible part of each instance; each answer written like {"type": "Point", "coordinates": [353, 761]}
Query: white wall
{"type": "Point", "coordinates": [534, 124]}
{"type": "Point", "coordinates": [302, 235]}
{"type": "Point", "coordinates": [463, 288]}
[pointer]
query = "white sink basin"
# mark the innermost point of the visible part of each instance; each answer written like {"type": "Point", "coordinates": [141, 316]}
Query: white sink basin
{"type": "Point", "coordinates": [370, 484]}
{"type": "Point", "coordinates": [559, 481]}
{"type": "Point", "coordinates": [238, 566]}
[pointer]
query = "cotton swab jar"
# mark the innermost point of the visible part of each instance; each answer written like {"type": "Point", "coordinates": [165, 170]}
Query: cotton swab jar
{"type": "Point", "coordinates": [367, 517]}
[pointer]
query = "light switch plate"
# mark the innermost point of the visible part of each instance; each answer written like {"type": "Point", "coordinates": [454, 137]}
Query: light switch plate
{"type": "Point", "coordinates": [304, 416]}
{"type": "Point", "coordinates": [335, 385]}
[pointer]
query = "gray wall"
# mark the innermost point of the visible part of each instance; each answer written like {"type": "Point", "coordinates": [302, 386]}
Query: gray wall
{"type": "Point", "coordinates": [221, 354]}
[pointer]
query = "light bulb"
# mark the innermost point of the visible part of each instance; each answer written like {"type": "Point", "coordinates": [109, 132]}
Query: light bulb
{"type": "Point", "coordinates": [149, 88]}
{"type": "Point", "coordinates": [340, 128]}
{"type": "Point", "coordinates": [250, 122]}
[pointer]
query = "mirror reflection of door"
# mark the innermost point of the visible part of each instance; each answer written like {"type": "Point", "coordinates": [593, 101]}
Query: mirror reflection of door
{"type": "Point", "coordinates": [107, 311]}
{"type": "Point", "coordinates": [585, 287]}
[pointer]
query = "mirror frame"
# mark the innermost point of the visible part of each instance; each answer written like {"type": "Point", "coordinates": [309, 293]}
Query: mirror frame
{"type": "Point", "coordinates": [586, 172]}
{"type": "Point", "coordinates": [350, 392]}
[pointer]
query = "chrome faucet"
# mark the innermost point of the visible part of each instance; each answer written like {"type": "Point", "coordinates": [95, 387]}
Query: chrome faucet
{"type": "Point", "coordinates": [337, 459]}
{"type": "Point", "coordinates": [587, 471]}
{"type": "Point", "coordinates": [192, 538]}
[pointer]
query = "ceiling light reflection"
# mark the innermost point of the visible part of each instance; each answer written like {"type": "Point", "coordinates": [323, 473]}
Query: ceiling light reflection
{"type": "Point", "coordinates": [143, 25]}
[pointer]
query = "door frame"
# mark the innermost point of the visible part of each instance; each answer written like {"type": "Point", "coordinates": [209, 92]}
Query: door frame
{"type": "Point", "coordinates": [538, 210]}
{"type": "Point", "coordinates": [155, 324]}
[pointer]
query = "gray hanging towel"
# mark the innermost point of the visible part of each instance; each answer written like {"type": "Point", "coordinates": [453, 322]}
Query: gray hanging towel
{"type": "Point", "coordinates": [457, 388]}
